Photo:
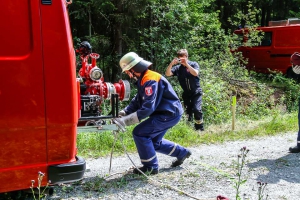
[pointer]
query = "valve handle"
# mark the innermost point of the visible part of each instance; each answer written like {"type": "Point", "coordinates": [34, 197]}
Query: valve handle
{"type": "Point", "coordinates": [94, 55]}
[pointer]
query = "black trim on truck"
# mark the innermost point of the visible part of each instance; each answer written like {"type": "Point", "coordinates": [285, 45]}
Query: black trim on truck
{"type": "Point", "coordinates": [280, 55]}
{"type": "Point", "coordinates": [67, 172]}
{"type": "Point", "coordinates": [47, 2]}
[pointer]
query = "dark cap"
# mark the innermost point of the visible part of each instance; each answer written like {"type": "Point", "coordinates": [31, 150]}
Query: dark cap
{"type": "Point", "coordinates": [295, 58]}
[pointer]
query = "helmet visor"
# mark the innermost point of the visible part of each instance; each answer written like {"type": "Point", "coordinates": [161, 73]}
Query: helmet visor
{"type": "Point", "coordinates": [142, 66]}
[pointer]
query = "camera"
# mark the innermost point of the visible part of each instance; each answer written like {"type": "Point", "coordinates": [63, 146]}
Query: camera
{"type": "Point", "coordinates": [179, 60]}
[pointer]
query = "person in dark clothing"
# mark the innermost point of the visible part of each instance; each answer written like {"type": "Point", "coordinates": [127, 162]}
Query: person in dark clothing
{"type": "Point", "coordinates": [187, 73]}
{"type": "Point", "coordinates": [295, 60]}
{"type": "Point", "coordinates": [159, 105]}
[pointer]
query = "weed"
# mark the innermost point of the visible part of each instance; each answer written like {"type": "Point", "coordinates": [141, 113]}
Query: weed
{"type": "Point", "coordinates": [283, 197]}
{"type": "Point", "coordinates": [239, 179]}
{"type": "Point", "coordinates": [40, 190]}
{"type": "Point", "coordinates": [99, 184]}
{"type": "Point", "coordinates": [240, 165]}
{"type": "Point", "coordinates": [281, 162]}
{"type": "Point", "coordinates": [261, 190]}
{"type": "Point", "coordinates": [192, 174]}
{"type": "Point", "coordinates": [67, 188]}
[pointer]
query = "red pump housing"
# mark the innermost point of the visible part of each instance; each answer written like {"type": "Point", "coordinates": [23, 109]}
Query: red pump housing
{"type": "Point", "coordinates": [93, 88]}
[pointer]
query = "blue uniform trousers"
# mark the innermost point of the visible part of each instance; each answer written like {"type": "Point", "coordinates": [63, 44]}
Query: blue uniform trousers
{"type": "Point", "coordinates": [148, 137]}
{"type": "Point", "coordinates": [193, 105]}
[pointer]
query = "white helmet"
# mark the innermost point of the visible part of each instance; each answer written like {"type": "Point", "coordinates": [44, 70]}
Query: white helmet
{"type": "Point", "coordinates": [131, 60]}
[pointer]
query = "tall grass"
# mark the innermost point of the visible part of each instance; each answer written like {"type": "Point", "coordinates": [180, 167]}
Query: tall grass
{"type": "Point", "coordinates": [100, 144]}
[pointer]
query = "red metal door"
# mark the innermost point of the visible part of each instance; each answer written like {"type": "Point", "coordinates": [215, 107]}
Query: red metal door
{"type": "Point", "coordinates": [22, 96]}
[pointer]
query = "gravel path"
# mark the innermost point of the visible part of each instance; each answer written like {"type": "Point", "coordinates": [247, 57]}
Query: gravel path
{"type": "Point", "coordinates": [267, 161]}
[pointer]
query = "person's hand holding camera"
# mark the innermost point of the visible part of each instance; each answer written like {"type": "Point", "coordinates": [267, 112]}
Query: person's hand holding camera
{"type": "Point", "coordinates": [175, 62]}
{"type": "Point", "coordinates": [183, 61]}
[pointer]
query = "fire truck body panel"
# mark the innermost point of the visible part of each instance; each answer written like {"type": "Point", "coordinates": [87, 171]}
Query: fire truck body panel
{"type": "Point", "coordinates": [275, 49]}
{"type": "Point", "coordinates": [38, 95]}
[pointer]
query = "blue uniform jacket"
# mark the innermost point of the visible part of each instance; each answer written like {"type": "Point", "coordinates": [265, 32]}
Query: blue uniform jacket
{"type": "Point", "coordinates": [155, 95]}
{"type": "Point", "coordinates": [188, 82]}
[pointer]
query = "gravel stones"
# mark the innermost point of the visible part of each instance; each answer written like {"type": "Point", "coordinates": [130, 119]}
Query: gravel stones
{"type": "Point", "coordinates": [205, 175]}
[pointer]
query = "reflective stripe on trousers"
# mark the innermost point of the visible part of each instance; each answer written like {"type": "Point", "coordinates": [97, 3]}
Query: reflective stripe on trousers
{"type": "Point", "coordinates": [148, 137]}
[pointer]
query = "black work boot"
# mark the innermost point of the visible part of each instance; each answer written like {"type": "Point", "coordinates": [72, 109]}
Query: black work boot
{"type": "Point", "coordinates": [295, 149]}
{"type": "Point", "coordinates": [199, 127]}
{"type": "Point", "coordinates": [190, 118]}
{"type": "Point", "coordinates": [180, 161]}
{"type": "Point", "coordinates": [145, 170]}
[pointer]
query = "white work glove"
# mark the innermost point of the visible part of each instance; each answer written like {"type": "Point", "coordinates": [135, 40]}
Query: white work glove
{"type": "Point", "coordinates": [122, 113]}
{"type": "Point", "coordinates": [128, 119]}
{"type": "Point", "coordinates": [296, 69]}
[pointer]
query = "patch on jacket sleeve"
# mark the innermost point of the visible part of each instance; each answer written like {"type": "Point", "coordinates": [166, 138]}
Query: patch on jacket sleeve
{"type": "Point", "coordinates": [148, 91]}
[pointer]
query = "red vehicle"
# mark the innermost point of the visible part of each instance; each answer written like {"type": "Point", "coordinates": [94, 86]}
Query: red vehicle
{"type": "Point", "coordinates": [280, 40]}
{"type": "Point", "coordinates": [40, 100]}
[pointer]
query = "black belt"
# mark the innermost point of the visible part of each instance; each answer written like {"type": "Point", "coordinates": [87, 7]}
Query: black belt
{"type": "Point", "coordinates": [163, 113]}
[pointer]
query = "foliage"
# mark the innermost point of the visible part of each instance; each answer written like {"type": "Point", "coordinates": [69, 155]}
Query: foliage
{"type": "Point", "coordinates": [100, 144]}
{"type": "Point", "coordinates": [157, 29]}
{"type": "Point", "coordinates": [291, 89]}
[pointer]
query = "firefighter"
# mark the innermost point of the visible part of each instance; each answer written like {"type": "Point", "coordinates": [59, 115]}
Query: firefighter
{"type": "Point", "coordinates": [295, 60]}
{"type": "Point", "coordinates": [187, 73]}
{"type": "Point", "coordinates": [158, 104]}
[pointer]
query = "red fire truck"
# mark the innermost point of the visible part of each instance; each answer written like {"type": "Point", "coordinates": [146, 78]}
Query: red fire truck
{"type": "Point", "coordinates": [280, 40]}
{"type": "Point", "coordinates": [41, 103]}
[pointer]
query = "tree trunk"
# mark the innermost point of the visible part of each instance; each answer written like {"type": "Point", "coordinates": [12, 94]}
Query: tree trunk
{"type": "Point", "coordinates": [263, 16]}
{"type": "Point", "coordinates": [117, 40]}
{"type": "Point", "coordinates": [90, 21]}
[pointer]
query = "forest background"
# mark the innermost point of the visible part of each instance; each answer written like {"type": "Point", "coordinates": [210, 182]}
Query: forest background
{"type": "Point", "coordinates": [156, 29]}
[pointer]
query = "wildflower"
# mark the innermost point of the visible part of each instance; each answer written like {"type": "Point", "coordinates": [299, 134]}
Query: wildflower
{"type": "Point", "coordinates": [221, 198]}
{"type": "Point", "coordinates": [41, 173]}
{"type": "Point", "coordinates": [32, 183]}
{"type": "Point", "coordinates": [259, 183]}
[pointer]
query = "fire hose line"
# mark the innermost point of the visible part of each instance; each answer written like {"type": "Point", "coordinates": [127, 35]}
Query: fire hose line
{"type": "Point", "coordinates": [116, 136]}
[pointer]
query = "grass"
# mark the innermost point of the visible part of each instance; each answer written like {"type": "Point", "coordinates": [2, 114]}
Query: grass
{"type": "Point", "coordinates": [100, 144]}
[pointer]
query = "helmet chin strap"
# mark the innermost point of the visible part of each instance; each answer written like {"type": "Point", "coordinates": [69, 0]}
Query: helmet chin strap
{"type": "Point", "coordinates": [131, 74]}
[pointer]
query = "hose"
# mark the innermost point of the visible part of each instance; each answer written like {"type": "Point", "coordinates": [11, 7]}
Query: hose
{"type": "Point", "coordinates": [116, 135]}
